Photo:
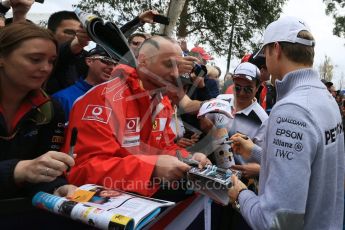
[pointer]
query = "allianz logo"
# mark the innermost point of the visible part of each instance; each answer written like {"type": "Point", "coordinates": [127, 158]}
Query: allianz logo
{"type": "Point", "coordinates": [282, 143]}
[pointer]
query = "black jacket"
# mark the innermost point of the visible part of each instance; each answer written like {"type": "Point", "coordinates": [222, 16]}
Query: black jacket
{"type": "Point", "coordinates": [39, 129]}
{"type": "Point", "coordinates": [70, 67]}
{"type": "Point", "coordinates": [209, 92]}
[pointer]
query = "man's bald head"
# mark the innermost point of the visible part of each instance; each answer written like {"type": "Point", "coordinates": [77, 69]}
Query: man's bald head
{"type": "Point", "coordinates": [156, 43]}
{"type": "Point", "coordinates": [158, 62]}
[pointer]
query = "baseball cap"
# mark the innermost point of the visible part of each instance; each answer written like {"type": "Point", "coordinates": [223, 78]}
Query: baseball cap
{"type": "Point", "coordinates": [204, 55]}
{"type": "Point", "coordinates": [259, 61]}
{"type": "Point", "coordinates": [246, 58]}
{"type": "Point", "coordinates": [248, 71]}
{"type": "Point", "coordinates": [98, 50]}
{"type": "Point", "coordinates": [227, 97]}
{"type": "Point", "coordinates": [285, 29]}
{"type": "Point", "coordinates": [215, 106]}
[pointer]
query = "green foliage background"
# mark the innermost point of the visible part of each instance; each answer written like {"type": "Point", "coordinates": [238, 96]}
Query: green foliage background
{"type": "Point", "coordinates": [228, 27]}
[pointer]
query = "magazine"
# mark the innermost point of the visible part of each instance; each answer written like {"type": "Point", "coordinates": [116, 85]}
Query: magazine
{"type": "Point", "coordinates": [103, 208]}
{"type": "Point", "coordinates": [109, 36]}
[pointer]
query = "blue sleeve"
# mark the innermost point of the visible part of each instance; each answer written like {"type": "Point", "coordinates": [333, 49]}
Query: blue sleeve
{"type": "Point", "coordinates": [65, 103]}
{"type": "Point", "coordinates": [210, 90]}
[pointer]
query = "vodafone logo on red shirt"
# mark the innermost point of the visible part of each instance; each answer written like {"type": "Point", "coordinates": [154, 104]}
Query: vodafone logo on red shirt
{"type": "Point", "coordinates": [97, 113]}
{"type": "Point", "coordinates": [132, 125]}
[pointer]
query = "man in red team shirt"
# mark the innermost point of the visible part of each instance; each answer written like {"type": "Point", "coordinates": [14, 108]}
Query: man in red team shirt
{"type": "Point", "coordinates": [124, 138]}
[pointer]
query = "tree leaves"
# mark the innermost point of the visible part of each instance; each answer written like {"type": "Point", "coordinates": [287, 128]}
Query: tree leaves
{"type": "Point", "coordinates": [208, 21]}
{"type": "Point", "coordinates": [336, 9]}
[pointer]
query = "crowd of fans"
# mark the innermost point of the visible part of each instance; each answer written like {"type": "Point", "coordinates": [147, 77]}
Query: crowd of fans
{"type": "Point", "coordinates": [132, 121]}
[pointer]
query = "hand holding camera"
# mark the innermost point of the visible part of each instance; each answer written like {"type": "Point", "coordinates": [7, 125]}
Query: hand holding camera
{"type": "Point", "coordinates": [186, 64]}
{"type": "Point", "coordinates": [198, 75]}
{"type": "Point", "coordinates": [189, 67]}
{"type": "Point", "coordinates": [147, 16]}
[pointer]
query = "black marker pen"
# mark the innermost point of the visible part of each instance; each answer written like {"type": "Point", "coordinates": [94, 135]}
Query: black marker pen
{"type": "Point", "coordinates": [72, 143]}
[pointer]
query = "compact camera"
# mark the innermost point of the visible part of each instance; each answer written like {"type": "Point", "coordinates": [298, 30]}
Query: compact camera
{"type": "Point", "coordinates": [199, 70]}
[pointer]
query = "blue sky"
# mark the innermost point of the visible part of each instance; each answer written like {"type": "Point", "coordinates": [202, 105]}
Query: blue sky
{"type": "Point", "coordinates": [311, 11]}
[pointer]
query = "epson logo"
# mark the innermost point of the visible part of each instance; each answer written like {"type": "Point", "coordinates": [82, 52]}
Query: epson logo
{"type": "Point", "coordinates": [291, 121]}
{"type": "Point", "coordinates": [289, 134]}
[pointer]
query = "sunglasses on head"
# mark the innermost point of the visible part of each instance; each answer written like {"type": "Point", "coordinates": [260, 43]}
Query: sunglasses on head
{"type": "Point", "coordinates": [246, 89]}
{"type": "Point", "coordinates": [105, 60]}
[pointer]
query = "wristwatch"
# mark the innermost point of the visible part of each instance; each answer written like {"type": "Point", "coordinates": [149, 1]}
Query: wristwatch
{"type": "Point", "coordinates": [237, 203]}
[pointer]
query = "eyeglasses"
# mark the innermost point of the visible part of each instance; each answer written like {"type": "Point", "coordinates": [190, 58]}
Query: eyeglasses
{"type": "Point", "coordinates": [105, 60]}
{"type": "Point", "coordinates": [70, 32]}
{"type": "Point", "coordinates": [246, 89]}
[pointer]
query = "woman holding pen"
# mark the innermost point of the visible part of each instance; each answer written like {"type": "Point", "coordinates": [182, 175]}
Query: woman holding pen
{"type": "Point", "coordinates": [31, 124]}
